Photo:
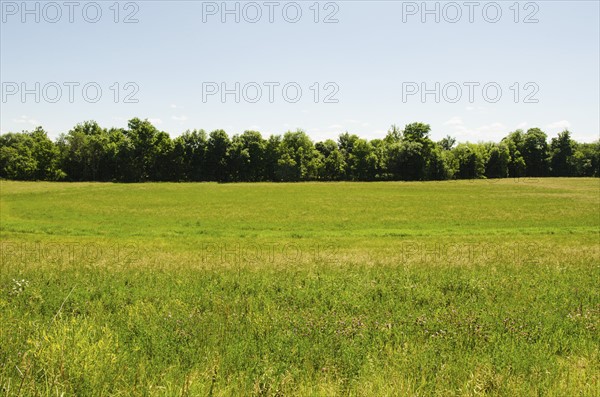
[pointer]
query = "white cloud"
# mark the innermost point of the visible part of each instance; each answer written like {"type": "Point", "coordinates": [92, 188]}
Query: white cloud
{"type": "Point", "coordinates": [558, 125]}
{"type": "Point", "coordinates": [179, 118]}
{"type": "Point", "coordinates": [458, 128]}
{"type": "Point", "coordinates": [173, 106]}
{"type": "Point", "coordinates": [365, 124]}
{"type": "Point", "coordinates": [479, 109]}
{"type": "Point", "coordinates": [493, 128]}
{"type": "Point", "coordinates": [336, 126]}
{"type": "Point", "coordinates": [351, 121]}
{"type": "Point", "coordinates": [522, 126]}
{"type": "Point", "coordinates": [26, 120]}
{"type": "Point", "coordinates": [155, 121]}
{"type": "Point", "coordinates": [454, 121]}
{"type": "Point", "coordinates": [379, 133]}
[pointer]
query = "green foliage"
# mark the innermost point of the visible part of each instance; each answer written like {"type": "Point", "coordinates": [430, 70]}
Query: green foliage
{"type": "Point", "coordinates": [362, 161]}
{"type": "Point", "coordinates": [217, 153]}
{"type": "Point", "coordinates": [587, 159]}
{"type": "Point", "coordinates": [416, 131]}
{"type": "Point", "coordinates": [190, 155]}
{"type": "Point", "coordinates": [498, 160]}
{"type": "Point", "coordinates": [142, 153]}
{"type": "Point", "coordinates": [516, 164]}
{"type": "Point", "coordinates": [29, 156]}
{"type": "Point", "coordinates": [471, 159]}
{"type": "Point", "coordinates": [299, 160]}
{"type": "Point", "coordinates": [534, 150]}
{"type": "Point", "coordinates": [86, 153]}
{"type": "Point", "coordinates": [447, 143]}
{"type": "Point", "coordinates": [247, 157]}
{"type": "Point", "coordinates": [334, 161]}
{"type": "Point", "coordinates": [406, 161]}
{"type": "Point", "coordinates": [437, 169]}
{"type": "Point", "coordinates": [562, 147]}
{"type": "Point", "coordinates": [16, 157]}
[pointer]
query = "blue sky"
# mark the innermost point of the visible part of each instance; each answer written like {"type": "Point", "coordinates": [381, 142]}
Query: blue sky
{"type": "Point", "coordinates": [376, 52]}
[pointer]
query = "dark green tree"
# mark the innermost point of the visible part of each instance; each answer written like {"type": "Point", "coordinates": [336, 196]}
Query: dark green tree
{"type": "Point", "coordinates": [247, 157]}
{"type": "Point", "coordinates": [534, 150]}
{"type": "Point", "coordinates": [299, 160]}
{"type": "Point", "coordinates": [471, 160]}
{"type": "Point", "coordinates": [16, 157]}
{"type": "Point", "coordinates": [334, 163]}
{"type": "Point", "coordinates": [447, 143]}
{"type": "Point", "coordinates": [562, 149]}
{"type": "Point", "coordinates": [140, 152]}
{"type": "Point", "coordinates": [217, 156]}
{"type": "Point", "coordinates": [586, 159]}
{"type": "Point", "coordinates": [362, 161]}
{"type": "Point", "coordinates": [514, 143]}
{"type": "Point", "coordinates": [189, 156]}
{"type": "Point", "coordinates": [498, 158]}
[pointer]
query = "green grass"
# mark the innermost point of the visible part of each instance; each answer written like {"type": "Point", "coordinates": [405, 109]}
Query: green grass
{"type": "Point", "coordinates": [437, 288]}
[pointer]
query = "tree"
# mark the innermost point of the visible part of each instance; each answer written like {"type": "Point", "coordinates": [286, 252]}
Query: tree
{"type": "Point", "coordinates": [516, 164]}
{"type": "Point", "coordinates": [498, 158]}
{"type": "Point", "coordinates": [534, 150]}
{"type": "Point", "coordinates": [346, 142]}
{"type": "Point", "coordinates": [47, 155]}
{"type": "Point", "coordinates": [447, 143]}
{"type": "Point", "coordinates": [189, 156]}
{"type": "Point", "coordinates": [436, 167]}
{"type": "Point", "coordinates": [405, 161]}
{"type": "Point", "coordinates": [299, 160]}
{"type": "Point", "coordinates": [217, 151]}
{"type": "Point", "coordinates": [451, 163]}
{"type": "Point", "coordinates": [362, 161]}
{"type": "Point", "coordinates": [380, 152]}
{"type": "Point", "coordinates": [86, 153]}
{"type": "Point", "coordinates": [272, 153]}
{"type": "Point", "coordinates": [16, 157]}
{"type": "Point", "coordinates": [586, 159]}
{"type": "Point", "coordinates": [410, 157]}
{"type": "Point", "coordinates": [163, 165]}
{"type": "Point", "coordinates": [562, 149]}
{"type": "Point", "coordinates": [247, 157]}
{"type": "Point", "coordinates": [471, 161]}
{"type": "Point", "coordinates": [416, 131]}
{"type": "Point", "coordinates": [334, 163]}
{"type": "Point", "coordinates": [30, 156]}
{"type": "Point", "coordinates": [139, 151]}
{"type": "Point", "coordinates": [394, 134]}
{"type": "Point", "coordinates": [346, 146]}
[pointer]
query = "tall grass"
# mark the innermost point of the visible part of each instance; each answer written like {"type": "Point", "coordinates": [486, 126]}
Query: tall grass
{"type": "Point", "coordinates": [454, 288]}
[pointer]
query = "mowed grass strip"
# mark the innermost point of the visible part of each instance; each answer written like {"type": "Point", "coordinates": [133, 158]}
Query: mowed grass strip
{"type": "Point", "coordinates": [437, 288]}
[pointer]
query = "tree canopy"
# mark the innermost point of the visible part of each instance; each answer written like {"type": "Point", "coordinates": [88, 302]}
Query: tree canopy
{"type": "Point", "coordinates": [142, 153]}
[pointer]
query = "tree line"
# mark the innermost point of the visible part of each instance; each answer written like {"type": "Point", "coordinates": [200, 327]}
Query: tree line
{"type": "Point", "coordinates": [142, 153]}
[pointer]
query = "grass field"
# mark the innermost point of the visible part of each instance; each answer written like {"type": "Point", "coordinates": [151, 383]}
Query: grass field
{"type": "Point", "coordinates": [363, 289]}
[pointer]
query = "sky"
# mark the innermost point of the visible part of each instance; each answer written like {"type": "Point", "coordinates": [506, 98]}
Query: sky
{"type": "Point", "coordinates": [473, 70]}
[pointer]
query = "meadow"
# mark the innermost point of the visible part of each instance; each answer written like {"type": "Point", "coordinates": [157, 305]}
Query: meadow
{"type": "Point", "coordinates": [453, 288]}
